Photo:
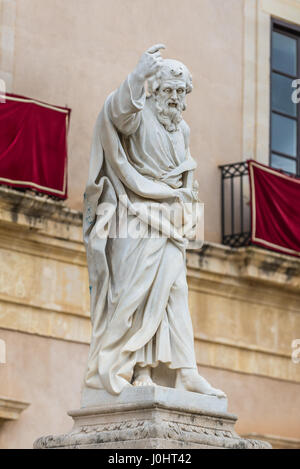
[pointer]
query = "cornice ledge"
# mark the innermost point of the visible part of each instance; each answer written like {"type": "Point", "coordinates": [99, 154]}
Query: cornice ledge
{"type": "Point", "coordinates": [36, 206]}
{"type": "Point", "coordinates": [11, 409]}
{"type": "Point", "coordinates": [248, 263]}
{"type": "Point", "coordinates": [277, 442]}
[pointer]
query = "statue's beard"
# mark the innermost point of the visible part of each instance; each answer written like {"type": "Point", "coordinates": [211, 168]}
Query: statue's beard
{"type": "Point", "coordinates": [167, 115]}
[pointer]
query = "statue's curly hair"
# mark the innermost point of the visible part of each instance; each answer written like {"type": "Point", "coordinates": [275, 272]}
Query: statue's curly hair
{"type": "Point", "coordinates": [170, 68]}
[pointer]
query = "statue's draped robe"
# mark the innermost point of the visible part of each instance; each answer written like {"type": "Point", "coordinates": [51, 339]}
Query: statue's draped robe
{"type": "Point", "coordinates": [139, 294]}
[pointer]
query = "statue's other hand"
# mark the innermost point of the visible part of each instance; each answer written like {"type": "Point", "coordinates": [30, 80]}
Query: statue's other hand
{"type": "Point", "coordinates": [186, 195]}
{"type": "Point", "coordinates": [150, 62]}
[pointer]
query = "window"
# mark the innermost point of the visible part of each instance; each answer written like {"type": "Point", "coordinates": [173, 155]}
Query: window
{"type": "Point", "coordinates": [285, 118]}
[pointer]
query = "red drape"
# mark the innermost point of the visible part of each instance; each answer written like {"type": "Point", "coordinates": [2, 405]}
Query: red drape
{"type": "Point", "coordinates": [33, 145]}
{"type": "Point", "coordinates": [275, 208]}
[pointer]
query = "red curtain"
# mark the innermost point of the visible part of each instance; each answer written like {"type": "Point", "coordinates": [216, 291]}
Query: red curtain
{"type": "Point", "coordinates": [275, 208]}
{"type": "Point", "coordinates": [33, 145]}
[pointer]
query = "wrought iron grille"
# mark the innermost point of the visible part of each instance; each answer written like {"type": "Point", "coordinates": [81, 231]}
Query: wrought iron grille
{"type": "Point", "coordinates": [235, 204]}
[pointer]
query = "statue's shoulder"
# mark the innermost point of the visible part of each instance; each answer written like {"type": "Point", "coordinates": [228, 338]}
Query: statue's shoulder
{"type": "Point", "coordinates": [185, 131]}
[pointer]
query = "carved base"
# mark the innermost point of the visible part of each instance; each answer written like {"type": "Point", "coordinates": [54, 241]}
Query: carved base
{"type": "Point", "coordinates": [150, 417]}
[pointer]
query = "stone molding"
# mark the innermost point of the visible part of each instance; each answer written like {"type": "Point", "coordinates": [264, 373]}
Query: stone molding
{"type": "Point", "coordinates": [11, 409]}
{"type": "Point", "coordinates": [244, 287]}
{"type": "Point", "coordinates": [151, 417]}
{"type": "Point", "coordinates": [244, 264]}
{"type": "Point", "coordinates": [277, 442]}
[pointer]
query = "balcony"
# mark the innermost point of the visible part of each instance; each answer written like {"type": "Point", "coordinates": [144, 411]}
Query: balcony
{"type": "Point", "coordinates": [235, 205]}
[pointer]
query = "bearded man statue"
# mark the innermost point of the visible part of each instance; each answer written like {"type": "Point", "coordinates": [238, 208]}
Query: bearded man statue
{"type": "Point", "coordinates": [139, 296]}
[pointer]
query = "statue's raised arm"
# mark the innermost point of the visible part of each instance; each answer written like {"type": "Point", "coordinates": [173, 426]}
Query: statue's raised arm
{"type": "Point", "coordinates": [129, 98]}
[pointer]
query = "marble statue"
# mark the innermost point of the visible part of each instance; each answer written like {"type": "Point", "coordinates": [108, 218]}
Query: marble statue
{"type": "Point", "coordinates": [139, 296]}
{"type": "Point", "coordinates": [138, 219]}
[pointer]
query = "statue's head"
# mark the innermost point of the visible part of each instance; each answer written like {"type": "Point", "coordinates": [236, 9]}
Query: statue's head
{"type": "Point", "coordinates": [169, 88]}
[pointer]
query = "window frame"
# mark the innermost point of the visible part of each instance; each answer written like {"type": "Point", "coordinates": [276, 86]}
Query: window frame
{"type": "Point", "coordinates": [292, 31]}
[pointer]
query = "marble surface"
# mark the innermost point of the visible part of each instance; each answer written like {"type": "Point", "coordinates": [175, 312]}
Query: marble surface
{"type": "Point", "coordinates": [151, 417]}
{"type": "Point", "coordinates": [144, 396]}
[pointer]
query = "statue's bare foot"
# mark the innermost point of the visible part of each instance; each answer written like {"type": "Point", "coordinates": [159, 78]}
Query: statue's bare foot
{"type": "Point", "coordinates": [143, 381]}
{"type": "Point", "coordinates": [142, 377]}
{"type": "Point", "coordinates": [190, 380]}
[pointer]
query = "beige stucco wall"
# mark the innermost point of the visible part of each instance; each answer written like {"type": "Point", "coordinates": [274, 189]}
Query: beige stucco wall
{"type": "Point", "coordinates": [76, 52]}
{"type": "Point", "coordinates": [47, 373]}
{"type": "Point", "coordinates": [244, 305]}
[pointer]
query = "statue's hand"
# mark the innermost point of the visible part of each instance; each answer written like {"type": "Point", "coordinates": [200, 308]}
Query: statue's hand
{"type": "Point", "coordinates": [186, 195]}
{"type": "Point", "coordinates": [149, 63]}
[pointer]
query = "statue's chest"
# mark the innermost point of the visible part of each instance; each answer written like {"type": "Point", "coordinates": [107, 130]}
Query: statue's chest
{"type": "Point", "coordinates": [176, 141]}
{"type": "Point", "coordinates": [166, 146]}
{"type": "Point", "coordinates": [172, 145]}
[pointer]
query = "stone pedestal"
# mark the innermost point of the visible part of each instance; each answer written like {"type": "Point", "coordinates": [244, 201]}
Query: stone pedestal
{"type": "Point", "coordinates": [150, 417]}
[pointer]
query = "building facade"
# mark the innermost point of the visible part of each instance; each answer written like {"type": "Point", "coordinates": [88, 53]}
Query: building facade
{"type": "Point", "coordinates": [245, 301]}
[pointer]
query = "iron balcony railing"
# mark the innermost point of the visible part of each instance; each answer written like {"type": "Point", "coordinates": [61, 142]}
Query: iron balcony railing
{"type": "Point", "coordinates": [235, 204]}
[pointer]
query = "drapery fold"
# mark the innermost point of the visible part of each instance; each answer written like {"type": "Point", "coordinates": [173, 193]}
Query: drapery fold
{"type": "Point", "coordinates": [33, 145]}
{"type": "Point", "coordinates": [275, 209]}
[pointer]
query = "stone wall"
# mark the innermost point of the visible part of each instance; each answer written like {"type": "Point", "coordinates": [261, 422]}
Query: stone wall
{"type": "Point", "coordinates": [76, 56]}
{"type": "Point", "coordinates": [52, 51]}
{"type": "Point", "coordinates": [244, 305]}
